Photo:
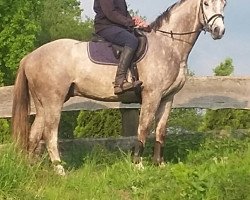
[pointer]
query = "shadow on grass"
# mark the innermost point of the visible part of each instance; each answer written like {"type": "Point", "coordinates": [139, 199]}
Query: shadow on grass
{"type": "Point", "coordinates": [177, 147]}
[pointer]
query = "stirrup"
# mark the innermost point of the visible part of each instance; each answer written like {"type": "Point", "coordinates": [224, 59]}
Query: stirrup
{"type": "Point", "coordinates": [137, 83]}
{"type": "Point", "coordinates": [125, 86]}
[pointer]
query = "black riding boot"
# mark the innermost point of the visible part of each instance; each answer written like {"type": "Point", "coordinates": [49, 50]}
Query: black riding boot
{"type": "Point", "coordinates": [121, 83]}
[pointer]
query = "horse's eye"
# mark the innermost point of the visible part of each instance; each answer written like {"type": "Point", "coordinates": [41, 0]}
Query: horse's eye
{"type": "Point", "coordinates": [206, 3]}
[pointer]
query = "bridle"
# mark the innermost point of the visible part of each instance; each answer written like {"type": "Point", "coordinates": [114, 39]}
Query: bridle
{"type": "Point", "coordinates": [205, 27]}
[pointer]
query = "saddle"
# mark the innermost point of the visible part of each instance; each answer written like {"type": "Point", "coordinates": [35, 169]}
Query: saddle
{"type": "Point", "coordinates": [101, 51]}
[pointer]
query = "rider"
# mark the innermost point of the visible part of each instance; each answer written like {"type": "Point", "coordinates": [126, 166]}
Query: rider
{"type": "Point", "coordinates": [114, 23]}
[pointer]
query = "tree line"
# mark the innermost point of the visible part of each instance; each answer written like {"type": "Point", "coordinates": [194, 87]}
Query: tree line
{"type": "Point", "coordinates": [27, 24]}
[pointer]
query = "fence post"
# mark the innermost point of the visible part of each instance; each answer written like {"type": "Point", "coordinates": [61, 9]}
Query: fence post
{"type": "Point", "coordinates": [130, 121]}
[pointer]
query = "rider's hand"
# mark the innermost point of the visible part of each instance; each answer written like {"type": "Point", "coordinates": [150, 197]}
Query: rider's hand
{"type": "Point", "coordinates": [139, 22]}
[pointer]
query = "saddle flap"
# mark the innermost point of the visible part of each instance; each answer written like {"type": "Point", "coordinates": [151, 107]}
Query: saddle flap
{"type": "Point", "coordinates": [101, 53]}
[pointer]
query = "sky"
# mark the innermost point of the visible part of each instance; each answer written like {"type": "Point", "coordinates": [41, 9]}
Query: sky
{"type": "Point", "coordinates": [207, 53]}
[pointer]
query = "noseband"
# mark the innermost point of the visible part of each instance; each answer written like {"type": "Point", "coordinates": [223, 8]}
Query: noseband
{"type": "Point", "coordinates": [205, 26]}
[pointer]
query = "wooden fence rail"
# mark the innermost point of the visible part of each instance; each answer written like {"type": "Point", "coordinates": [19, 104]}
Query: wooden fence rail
{"type": "Point", "coordinates": [198, 92]}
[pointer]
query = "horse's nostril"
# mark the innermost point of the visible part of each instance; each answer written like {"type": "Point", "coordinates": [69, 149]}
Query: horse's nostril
{"type": "Point", "coordinates": [217, 30]}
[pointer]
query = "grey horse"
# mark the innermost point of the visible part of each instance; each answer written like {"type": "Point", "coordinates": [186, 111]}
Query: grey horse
{"type": "Point", "coordinates": [60, 69]}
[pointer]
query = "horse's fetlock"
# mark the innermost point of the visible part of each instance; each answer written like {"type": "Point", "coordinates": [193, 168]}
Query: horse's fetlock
{"type": "Point", "coordinates": [138, 149]}
{"type": "Point", "coordinates": [158, 153]}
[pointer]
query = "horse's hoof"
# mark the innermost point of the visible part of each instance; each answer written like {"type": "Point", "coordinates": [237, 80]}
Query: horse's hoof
{"type": "Point", "coordinates": [138, 164]}
{"type": "Point", "coordinates": [158, 161]}
{"type": "Point", "coordinates": [59, 170]}
{"type": "Point", "coordinates": [162, 165]}
{"type": "Point", "coordinates": [136, 159]}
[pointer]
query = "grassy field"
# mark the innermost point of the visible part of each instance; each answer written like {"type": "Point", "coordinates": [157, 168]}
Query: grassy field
{"type": "Point", "coordinates": [197, 167]}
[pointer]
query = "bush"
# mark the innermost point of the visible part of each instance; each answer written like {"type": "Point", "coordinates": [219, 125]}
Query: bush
{"type": "Point", "coordinates": [67, 124]}
{"type": "Point", "coordinates": [4, 131]}
{"type": "Point", "coordinates": [103, 123]}
{"type": "Point", "coordinates": [185, 118]}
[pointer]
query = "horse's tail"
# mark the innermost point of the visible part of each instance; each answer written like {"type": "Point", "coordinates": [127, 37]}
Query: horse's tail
{"type": "Point", "coordinates": [21, 108]}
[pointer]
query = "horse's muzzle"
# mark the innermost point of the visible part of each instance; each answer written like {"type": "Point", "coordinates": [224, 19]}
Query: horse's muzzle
{"type": "Point", "coordinates": [218, 32]}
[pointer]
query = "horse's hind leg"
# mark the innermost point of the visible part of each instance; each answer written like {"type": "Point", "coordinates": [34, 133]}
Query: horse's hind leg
{"type": "Point", "coordinates": [36, 133]}
{"type": "Point", "coordinates": [50, 135]}
{"type": "Point", "coordinates": [37, 127]}
{"type": "Point", "coordinates": [161, 118]}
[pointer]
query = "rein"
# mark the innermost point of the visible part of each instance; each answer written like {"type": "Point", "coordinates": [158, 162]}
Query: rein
{"type": "Point", "coordinates": [205, 27]}
{"type": "Point", "coordinates": [183, 33]}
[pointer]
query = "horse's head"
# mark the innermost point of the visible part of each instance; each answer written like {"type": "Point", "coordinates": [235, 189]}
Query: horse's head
{"type": "Point", "coordinates": [212, 17]}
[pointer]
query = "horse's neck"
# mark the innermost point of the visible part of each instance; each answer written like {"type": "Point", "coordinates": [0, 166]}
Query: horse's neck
{"type": "Point", "coordinates": [184, 18]}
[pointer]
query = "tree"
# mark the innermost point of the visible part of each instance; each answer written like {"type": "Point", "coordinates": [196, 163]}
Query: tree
{"type": "Point", "coordinates": [18, 30]}
{"type": "Point", "coordinates": [62, 19]}
{"type": "Point", "coordinates": [224, 69]}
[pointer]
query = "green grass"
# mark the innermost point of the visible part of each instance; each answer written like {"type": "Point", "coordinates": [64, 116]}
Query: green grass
{"type": "Point", "coordinates": [198, 167]}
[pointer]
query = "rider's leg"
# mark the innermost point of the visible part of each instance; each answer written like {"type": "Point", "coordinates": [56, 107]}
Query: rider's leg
{"type": "Point", "coordinates": [126, 39]}
{"type": "Point", "coordinates": [121, 84]}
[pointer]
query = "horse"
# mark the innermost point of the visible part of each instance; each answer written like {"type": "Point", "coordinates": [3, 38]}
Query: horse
{"type": "Point", "coordinates": [58, 70]}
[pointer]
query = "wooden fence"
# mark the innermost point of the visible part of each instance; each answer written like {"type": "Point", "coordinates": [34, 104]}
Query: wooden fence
{"type": "Point", "coordinates": [198, 92]}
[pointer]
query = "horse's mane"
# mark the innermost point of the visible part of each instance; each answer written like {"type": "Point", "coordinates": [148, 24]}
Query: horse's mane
{"type": "Point", "coordinates": [165, 15]}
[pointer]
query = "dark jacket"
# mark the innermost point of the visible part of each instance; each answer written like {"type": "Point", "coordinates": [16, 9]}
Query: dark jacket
{"type": "Point", "coordinates": [111, 13]}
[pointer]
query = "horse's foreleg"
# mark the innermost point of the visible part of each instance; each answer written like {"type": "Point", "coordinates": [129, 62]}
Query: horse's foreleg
{"type": "Point", "coordinates": [148, 109]}
{"type": "Point", "coordinates": [161, 119]}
